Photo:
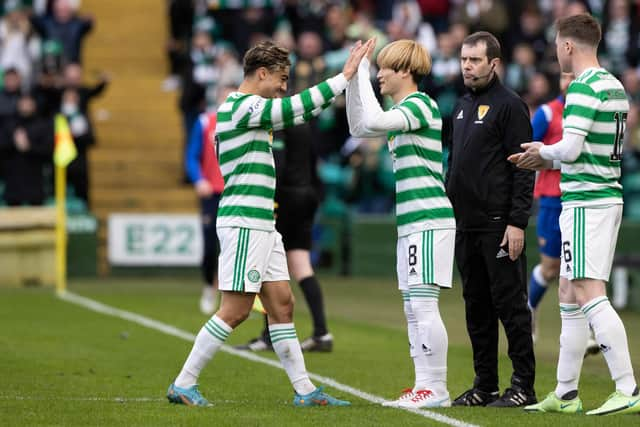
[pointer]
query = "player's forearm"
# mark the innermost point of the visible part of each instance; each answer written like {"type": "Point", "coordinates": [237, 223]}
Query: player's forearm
{"type": "Point", "coordinates": [299, 108]}
{"type": "Point", "coordinates": [567, 150]}
{"type": "Point", "coordinates": [355, 111]}
{"type": "Point", "coordinates": [374, 118]}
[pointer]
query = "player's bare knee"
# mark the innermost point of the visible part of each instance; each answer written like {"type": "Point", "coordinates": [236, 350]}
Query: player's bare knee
{"type": "Point", "coordinates": [283, 312]}
{"type": "Point", "coordinates": [564, 294]}
{"type": "Point", "coordinates": [233, 317]}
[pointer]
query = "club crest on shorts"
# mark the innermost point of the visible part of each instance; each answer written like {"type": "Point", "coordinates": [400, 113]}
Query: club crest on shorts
{"type": "Point", "coordinates": [482, 111]}
{"type": "Point", "coordinates": [253, 276]}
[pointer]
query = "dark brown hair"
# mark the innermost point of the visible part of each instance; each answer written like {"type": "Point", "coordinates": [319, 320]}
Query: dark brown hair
{"type": "Point", "coordinates": [582, 28]}
{"type": "Point", "coordinates": [490, 41]}
{"type": "Point", "coordinates": [265, 54]}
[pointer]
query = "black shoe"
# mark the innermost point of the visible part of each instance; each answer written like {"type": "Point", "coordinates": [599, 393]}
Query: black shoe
{"type": "Point", "coordinates": [323, 343]}
{"type": "Point", "coordinates": [475, 397]}
{"type": "Point", "coordinates": [256, 344]}
{"type": "Point", "coordinates": [514, 397]}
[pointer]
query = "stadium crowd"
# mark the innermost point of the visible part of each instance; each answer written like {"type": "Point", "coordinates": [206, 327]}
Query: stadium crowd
{"type": "Point", "coordinates": [41, 75]}
{"type": "Point", "coordinates": [208, 38]}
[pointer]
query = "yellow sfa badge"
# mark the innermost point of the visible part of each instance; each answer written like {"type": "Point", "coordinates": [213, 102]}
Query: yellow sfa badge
{"type": "Point", "coordinates": [482, 111]}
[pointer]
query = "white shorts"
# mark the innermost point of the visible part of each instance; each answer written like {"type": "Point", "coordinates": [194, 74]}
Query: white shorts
{"type": "Point", "coordinates": [250, 257]}
{"type": "Point", "coordinates": [589, 237]}
{"type": "Point", "coordinates": [426, 257]}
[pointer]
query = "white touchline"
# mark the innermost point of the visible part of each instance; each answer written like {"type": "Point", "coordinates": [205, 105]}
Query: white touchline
{"type": "Point", "coordinates": [87, 399]}
{"type": "Point", "coordinates": [172, 330]}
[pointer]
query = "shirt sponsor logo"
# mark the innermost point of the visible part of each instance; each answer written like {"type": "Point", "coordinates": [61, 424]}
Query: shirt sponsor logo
{"type": "Point", "coordinates": [255, 107]}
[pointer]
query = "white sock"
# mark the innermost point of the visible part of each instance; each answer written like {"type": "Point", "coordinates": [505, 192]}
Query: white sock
{"type": "Point", "coordinates": [287, 347]}
{"type": "Point", "coordinates": [432, 340]}
{"type": "Point", "coordinates": [419, 360]}
{"type": "Point", "coordinates": [412, 323]}
{"type": "Point", "coordinates": [574, 334]}
{"type": "Point", "coordinates": [612, 338]}
{"type": "Point", "coordinates": [209, 340]}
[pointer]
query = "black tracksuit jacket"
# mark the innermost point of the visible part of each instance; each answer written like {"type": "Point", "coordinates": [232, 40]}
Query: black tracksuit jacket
{"type": "Point", "coordinates": [486, 191]}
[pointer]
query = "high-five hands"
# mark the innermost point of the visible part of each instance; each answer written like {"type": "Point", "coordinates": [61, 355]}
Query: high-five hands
{"type": "Point", "coordinates": [358, 51]}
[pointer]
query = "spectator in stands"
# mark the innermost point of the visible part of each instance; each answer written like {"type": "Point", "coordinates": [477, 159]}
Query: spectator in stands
{"type": "Point", "coordinates": [405, 20]}
{"type": "Point", "coordinates": [530, 31]}
{"type": "Point", "coordinates": [336, 21]}
{"type": "Point", "coordinates": [631, 83]}
{"type": "Point", "coordinates": [75, 98]}
{"type": "Point", "coordinates": [489, 15]}
{"type": "Point", "coordinates": [459, 31]}
{"type": "Point", "coordinates": [181, 14]}
{"type": "Point", "coordinates": [15, 38]}
{"type": "Point", "coordinates": [444, 83]}
{"type": "Point", "coordinates": [66, 27]}
{"type": "Point", "coordinates": [48, 90]}
{"type": "Point", "coordinates": [200, 76]}
{"type": "Point", "coordinates": [238, 23]}
{"type": "Point", "coordinates": [436, 12]}
{"type": "Point", "coordinates": [632, 131]}
{"type": "Point", "coordinates": [26, 146]}
{"type": "Point", "coordinates": [616, 28]}
{"type": "Point", "coordinates": [370, 192]}
{"type": "Point", "coordinates": [538, 91]}
{"type": "Point", "coordinates": [10, 94]}
{"type": "Point", "coordinates": [522, 69]}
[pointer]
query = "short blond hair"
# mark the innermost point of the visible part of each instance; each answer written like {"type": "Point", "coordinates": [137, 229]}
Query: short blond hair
{"type": "Point", "coordinates": [406, 55]}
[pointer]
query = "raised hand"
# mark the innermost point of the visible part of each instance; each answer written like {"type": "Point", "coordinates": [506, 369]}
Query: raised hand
{"type": "Point", "coordinates": [357, 53]}
{"type": "Point", "coordinates": [371, 48]}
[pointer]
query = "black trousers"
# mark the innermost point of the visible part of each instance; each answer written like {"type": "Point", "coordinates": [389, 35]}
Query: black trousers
{"type": "Point", "coordinates": [495, 288]}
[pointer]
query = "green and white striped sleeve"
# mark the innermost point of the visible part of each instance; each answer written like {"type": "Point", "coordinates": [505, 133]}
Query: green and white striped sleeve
{"type": "Point", "coordinates": [280, 113]}
{"type": "Point", "coordinates": [416, 112]}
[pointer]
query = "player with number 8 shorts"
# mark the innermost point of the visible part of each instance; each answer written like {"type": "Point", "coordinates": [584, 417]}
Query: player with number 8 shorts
{"type": "Point", "coordinates": [425, 220]}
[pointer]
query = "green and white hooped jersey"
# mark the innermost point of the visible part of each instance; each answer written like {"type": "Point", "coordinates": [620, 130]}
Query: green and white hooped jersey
{"type": "Point", "coordinates": [421, 201]}
{"type": "Point", "coordinates": [596, 107]}
{"type": "Point", "coordinates": [244, 134]}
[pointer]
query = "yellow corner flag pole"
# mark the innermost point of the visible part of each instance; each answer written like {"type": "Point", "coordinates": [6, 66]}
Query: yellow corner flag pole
{"type": "Point", "coordinates": [61, 229]}
{"type": "Point", "coordinates": [64, 152]}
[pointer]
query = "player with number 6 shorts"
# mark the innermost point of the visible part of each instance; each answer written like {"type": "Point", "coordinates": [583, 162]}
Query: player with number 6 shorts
{"type": "Point", "coordinates": [590, 153]}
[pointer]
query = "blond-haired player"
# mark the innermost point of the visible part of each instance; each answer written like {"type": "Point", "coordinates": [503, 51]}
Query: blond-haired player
{"type": "Point", "coordinates": [425, 221]}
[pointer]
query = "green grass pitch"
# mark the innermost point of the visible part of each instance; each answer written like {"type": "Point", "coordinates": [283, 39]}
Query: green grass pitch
{"type": "Point", "coordinates": [62, 364]}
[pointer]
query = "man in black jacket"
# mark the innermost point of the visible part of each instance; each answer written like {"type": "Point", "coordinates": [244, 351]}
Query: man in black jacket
{"type": "Point", "coordinates": [491, 200]}
{"type": "Point", "coordinates": [26, 146]}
